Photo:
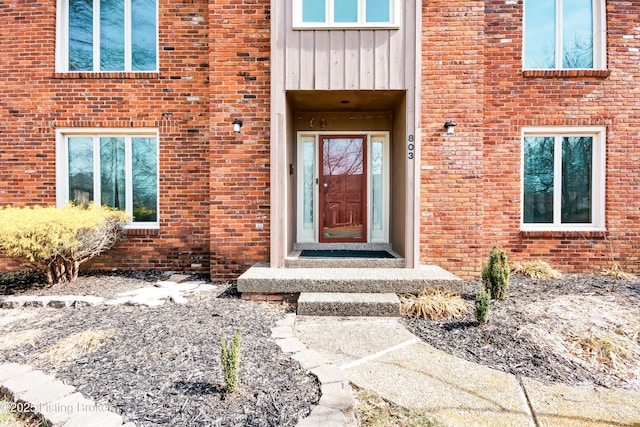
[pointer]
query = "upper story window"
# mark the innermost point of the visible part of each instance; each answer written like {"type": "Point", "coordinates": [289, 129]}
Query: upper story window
{"type": "Point", "coordinates": [107, 35]}
{"type": "Point", "coordinates": [116, 168]}
{"type": "Point", "coordinates": [344, 13]}
{"type": "Point", "coordinates": [564, 34]}
{"type": "Point", "coordinates": [563, 179]}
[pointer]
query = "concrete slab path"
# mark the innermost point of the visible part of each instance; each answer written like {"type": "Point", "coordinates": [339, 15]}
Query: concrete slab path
{"type": "Point", "coordinates": [382, 356]}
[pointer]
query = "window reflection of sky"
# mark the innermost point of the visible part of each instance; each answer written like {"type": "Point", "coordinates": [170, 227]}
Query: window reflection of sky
{"type": "Point", "coordinates": [540, 34]}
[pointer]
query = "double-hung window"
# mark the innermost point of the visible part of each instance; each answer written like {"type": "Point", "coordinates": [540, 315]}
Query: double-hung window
{"type": "Point", "coordinates": [116, 168]}
{"type": "Point", "coordinates": [107, 35]}
{"type": "Point", "coordinates": [564, 34]}
{"type": "Point", "coordinates": [344, 13]}
{"type": "Point", "coordinates": [563, 179]}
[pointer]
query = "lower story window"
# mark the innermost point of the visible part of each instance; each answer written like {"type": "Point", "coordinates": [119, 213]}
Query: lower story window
{"type": "Point", "coordinates": [118, 169]}
{"type": "Point", "coordinates": [563, 178]}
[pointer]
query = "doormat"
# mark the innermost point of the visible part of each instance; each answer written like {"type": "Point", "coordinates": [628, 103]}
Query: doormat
{"type": "Point", "coordinates": [307, 253]}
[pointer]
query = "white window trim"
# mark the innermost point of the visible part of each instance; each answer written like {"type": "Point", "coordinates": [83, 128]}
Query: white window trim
{"type": "Point", "coordinates": [62, 39]}
{"type": "Point", "coordinates": [377, 236]}
{"type": "Point", "coordinates": [62, 166]}
{"type": "Point", "coordinates": [598, 133]}
{"type": "Point", "coordinates": [599, 37]}
{"type": "Point", "coordinates": [298, 24]}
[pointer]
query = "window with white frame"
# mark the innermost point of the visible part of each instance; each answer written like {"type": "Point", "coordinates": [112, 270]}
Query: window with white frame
{"type": "Point", "coordinates": [107, 35]}
{"type": "Point", "coordinates": [114, 168]}
{"type": "Point", "coordinates": [343, 13]}
{"type": "Point", "coordinates": [564, 34]}
{"type": "Point", "coordinates": [563, 178]}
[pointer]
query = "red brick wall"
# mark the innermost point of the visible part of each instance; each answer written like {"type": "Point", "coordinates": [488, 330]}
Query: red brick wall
{"type": "Point", "coordinates": [451, 167]}
{"type": "Point", "coordinates": [239, 88]}
{"type": "Point", "coordinates": [34, 101]}
{"type": "Point", "coordinates": [512, 101]}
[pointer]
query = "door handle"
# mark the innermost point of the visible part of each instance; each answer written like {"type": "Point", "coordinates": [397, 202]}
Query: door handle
{"type": "Point", "coordinates": [325, 185]}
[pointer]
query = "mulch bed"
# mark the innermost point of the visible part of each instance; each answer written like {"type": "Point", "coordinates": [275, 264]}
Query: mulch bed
{"type": "Point", "coordinates": [164, 368]}
{"type": "Point", "coordinates": [501, 343]}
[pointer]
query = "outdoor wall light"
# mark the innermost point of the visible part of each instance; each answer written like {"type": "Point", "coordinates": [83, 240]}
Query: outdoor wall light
{"type": "Point", "coordinates": [237, 124]}
{"type": "Point", "coordinates": [450, 127]}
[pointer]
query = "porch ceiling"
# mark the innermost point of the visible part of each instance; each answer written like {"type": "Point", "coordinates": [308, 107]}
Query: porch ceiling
{"type": "Point", "coordinates": [356, 100]}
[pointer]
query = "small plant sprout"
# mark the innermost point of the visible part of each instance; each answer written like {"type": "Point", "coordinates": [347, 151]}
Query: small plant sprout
{"type": "Point", "coordinates": [495, 274]}
{"type": "Point", "coordinates": [483, 304]}
{"type": "Point", "coordinates": [230, 356]}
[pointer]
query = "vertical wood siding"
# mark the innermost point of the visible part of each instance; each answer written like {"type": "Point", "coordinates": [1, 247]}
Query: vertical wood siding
{"type": "Point", "coordinates": [346, 59]}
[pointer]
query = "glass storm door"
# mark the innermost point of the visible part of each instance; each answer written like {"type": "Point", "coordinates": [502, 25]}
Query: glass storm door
{"type": "Point", "coordinates": [343, 188]}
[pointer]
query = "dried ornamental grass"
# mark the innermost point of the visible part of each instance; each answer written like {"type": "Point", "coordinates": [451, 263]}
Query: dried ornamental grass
{"type": "Point", "coordinates": [434, 304]}
{"type": "Point", "coordinates": [373, 411]}
{"type": "Point", "coordinates": [617, 272]}
{"type": "Point", "coordinates": [78, 345]}
{"type": "Point", "coordinates": [616, 354]}
{"type": "Point", "coordinates": [13, 340]}
{"type": "Point", "coordinates": [536, 270]}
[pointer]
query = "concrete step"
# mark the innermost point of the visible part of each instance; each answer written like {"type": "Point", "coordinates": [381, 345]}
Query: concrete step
{"type": "Point", "coordinates": [266, 280]}
{"type": "Point", "coordinates": [296, 262]}
{"type": "Point", "coordinates": [348, 304]}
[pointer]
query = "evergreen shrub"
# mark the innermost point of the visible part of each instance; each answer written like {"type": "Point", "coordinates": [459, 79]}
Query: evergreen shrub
{"type": "Point", "coordinates": [56, 241]}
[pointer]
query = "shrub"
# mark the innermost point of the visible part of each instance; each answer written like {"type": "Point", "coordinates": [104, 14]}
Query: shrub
{"type": "Point", "coordinates": [231, 361]}
{"type": "Point", "coordinates": [56, 241]}
{"type": "Point", "coordinates": [434, 304]}
{"type": "Point", "coordinates": [483, 304]}
{"type": "Point", "coordinates": [536, 270]}
{"type": "Point", "coordinates": [495, 274]}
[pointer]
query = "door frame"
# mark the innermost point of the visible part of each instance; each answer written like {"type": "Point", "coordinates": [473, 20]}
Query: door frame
{"type": "Point", "coordinates": [365, 188]}
{"type": "Point", "coordinates": [308, 229]}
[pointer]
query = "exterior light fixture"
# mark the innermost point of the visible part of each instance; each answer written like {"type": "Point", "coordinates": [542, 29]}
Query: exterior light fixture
{"type": "Point", "coordinates": [450, 127]}
{"type": "Point", "coordinates": [237, 124]}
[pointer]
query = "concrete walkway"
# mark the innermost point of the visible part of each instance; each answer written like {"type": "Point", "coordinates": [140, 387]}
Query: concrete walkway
{"type": "Point", "coordinates": [58, 403]}
{"type": "Point", "coordinates": [382, 356]}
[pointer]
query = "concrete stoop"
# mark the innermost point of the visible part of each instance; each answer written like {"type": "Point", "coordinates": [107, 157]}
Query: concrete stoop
{"type": "Point", "coordinates": [348, 304]}
{"type": "Point", "coordinates": [265, 280]}
{"type": "Point", "coordinates": [336, 291]}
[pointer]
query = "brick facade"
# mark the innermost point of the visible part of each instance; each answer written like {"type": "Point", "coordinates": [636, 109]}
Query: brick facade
{"type": "Point", "coordinates": [35, 101]}
{"type": "Point", "coordinates": [472, 67]}
{"type": "Point", "coordinates": [214, 189]}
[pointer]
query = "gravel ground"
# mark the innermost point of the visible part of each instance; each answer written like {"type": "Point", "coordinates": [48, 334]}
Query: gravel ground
{"type": "Point", "coordinates": [163, 366]}
{"type": "Point", "coordinates": [533, 331]}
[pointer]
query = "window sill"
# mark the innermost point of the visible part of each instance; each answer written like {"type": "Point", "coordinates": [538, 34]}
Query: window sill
{"type": "Point", "coordinates": [564, 234]}
{"type": "Point", "coordinates": [107, 75]}
{"type": "Point", "coordinates": [342, 27]}
{"type": "Point", "coordinates": [549, 74]}
{"type": "Point", "coordinates": [142, 231]}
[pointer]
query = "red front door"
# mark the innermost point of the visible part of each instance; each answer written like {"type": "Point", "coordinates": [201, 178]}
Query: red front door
{"type": "Point", "coordinates": [343, 188]}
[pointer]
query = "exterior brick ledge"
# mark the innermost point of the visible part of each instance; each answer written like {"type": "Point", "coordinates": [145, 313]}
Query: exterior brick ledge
{"type": "Point", "coordinates": [594, 234]}
{"type": "Point", "coordinates": [566, 73]}
{"type": "Point", "coordinates": [107, 75]}
{"type": "Point", "coordinates": [142, 232]}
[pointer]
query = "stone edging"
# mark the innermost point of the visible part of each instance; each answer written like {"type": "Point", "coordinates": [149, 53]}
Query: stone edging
{"type": "Point", "coordinates": [335, 407]}
{"type": "Point", "coordinates": [163, 291]}
{"type": "Point", "coordinates": [58, 403]}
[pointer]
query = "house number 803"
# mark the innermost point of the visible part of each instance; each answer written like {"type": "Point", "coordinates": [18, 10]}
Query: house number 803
{"type": "Point", "coordinates": [411, 147]}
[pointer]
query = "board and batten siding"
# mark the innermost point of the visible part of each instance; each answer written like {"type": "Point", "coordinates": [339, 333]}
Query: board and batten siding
{"type": "Point", "coordinates": [353, 59]}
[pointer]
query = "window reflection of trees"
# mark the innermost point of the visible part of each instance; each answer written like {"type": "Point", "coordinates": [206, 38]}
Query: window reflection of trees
{"type": "Point", "coordinates": [112, 173]}
{"type": "Point", "coordinates": [144, 169]}
{"type": "Point", "coordinates": [111, 43]}
{"type": "Point", "coordinates": [81, 170]}
{"type": "Point", "coordinates": [538, 179]}
{"type": "Point", "coordinates": [575, 179]}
